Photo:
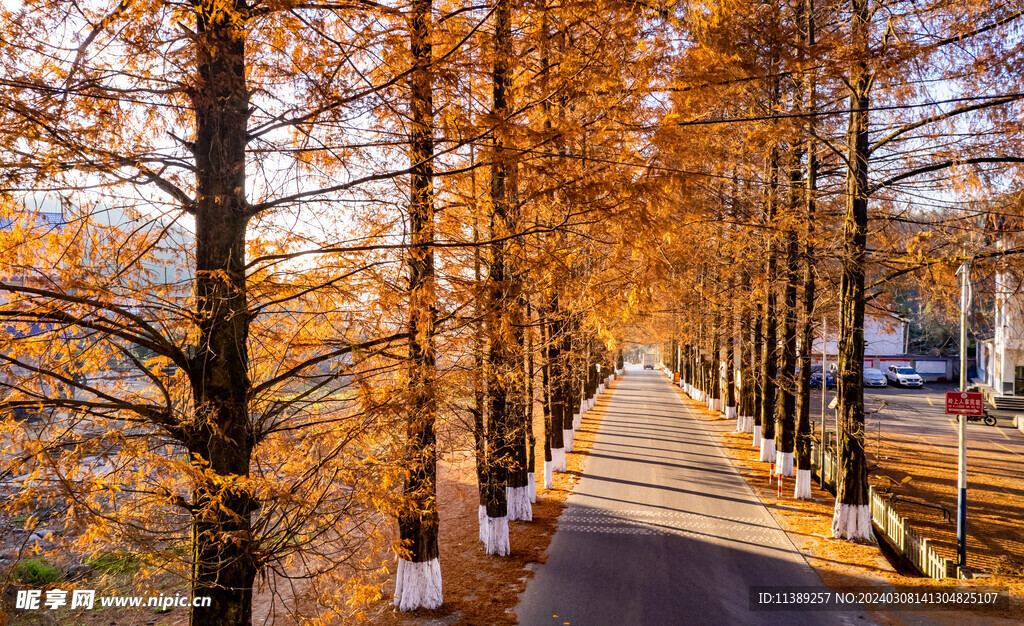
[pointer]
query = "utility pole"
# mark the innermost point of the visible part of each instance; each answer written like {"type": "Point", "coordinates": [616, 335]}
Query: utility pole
{"type": "Point", "coordinates": [961, 478]}
{"type": "Point", "coordinates": [824, 391]}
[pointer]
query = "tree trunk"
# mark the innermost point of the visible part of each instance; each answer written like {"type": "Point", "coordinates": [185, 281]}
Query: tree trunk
{"type": "Point", "coordinates": [559, 390]}
{"type": "Point", "coordinates": [531, 437]}
{"type": "Point", "coordinates": [221, 438]}
{"type": "Point", "coordinates": [518, 476]}
{"type": "Point", "coordinates": [730, 367]}
{"type": "Point", "coordinates": [852, 517]}
{"type": "Point", "coordinates": [757, 353]}
{"type": "Point", "coordinates": [785, 412]}
{"type": "Point", "coordinates": [501, 383]}
{"type": "Point", "coordinates": [418, 579]}
{"type": "Point", "coordinates": [803, 425]}
{"type": "Point", "coordinates": [550, 428]}
{"type": "Point", "coordinates": [769, 350]}
{"type": "Point", "coordinates": [715, 364]}
{"type": "Point", "coordinates": [747, 379]}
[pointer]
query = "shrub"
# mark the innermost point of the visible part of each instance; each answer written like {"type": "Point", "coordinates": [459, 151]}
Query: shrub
{"type": "Point", "coordinates": [36, 572]}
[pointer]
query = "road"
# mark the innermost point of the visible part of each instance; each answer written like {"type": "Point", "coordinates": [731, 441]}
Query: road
{"type": "Point", "coordinates": [662, 529]}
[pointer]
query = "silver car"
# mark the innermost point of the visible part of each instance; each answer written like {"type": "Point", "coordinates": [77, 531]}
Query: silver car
{"type": "Point", "coordinates": [874, 378]}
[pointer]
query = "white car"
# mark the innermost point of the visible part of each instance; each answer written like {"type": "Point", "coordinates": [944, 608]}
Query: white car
{"type": "Point", "coordinates": [903, 376]}
{"type": "Point", "coordinates": [874, 378]}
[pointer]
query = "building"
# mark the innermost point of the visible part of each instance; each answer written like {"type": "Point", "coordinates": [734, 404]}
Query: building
{"type": "Point", "coordinates": [885, 344]}
{"type": "Point", "coordinates": [1000, 358]}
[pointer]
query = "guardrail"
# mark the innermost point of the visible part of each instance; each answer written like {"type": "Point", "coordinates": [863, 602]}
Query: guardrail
{"type": "Point", "coordinates": [916, 549]}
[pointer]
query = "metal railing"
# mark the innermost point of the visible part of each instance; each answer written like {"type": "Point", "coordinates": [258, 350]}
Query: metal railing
{"type": "Point", "coordinates": [916, 549]}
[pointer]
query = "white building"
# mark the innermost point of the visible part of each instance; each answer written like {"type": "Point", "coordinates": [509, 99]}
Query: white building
{"type": "Point", "coordinates": [885, 342]}
{"type": "Point", "coordinates": [1000, 359]}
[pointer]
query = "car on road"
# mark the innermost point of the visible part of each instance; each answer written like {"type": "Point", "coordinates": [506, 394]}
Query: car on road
{"type": "Point", "coordinates": [903, 376]}
{"type": "Point", "coordinates": [648, 361]}
{"type": "Point", "coordinates": [873, 377]}
{"type": "Point", "coordinates": [830, 379]}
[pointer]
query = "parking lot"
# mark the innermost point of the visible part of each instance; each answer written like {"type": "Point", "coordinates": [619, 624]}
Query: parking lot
{"type": "Point", "coordinates": [919, 414]}
{"type": "Point", "coordinates": [911, 448]}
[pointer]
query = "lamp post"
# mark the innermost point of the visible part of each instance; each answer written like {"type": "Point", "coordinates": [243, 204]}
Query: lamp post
{"type": "Point", "coordinates": [961, 470]}
{"type": "Point", "coordinates": [824, 392]}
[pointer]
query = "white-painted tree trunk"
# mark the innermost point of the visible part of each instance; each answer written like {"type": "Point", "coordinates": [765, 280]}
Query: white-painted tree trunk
{"type": "Point", "coordinates": [549, 480]}
{"type": "Point", "coordinates": [852, 522]}
{"type": "Point", "coordinates": [730, 412]}
{"type": "Point", "coordinates": [803, 485]}
{"type": "Point", "coordinates": [531, 486]}
{"type": "Point", "coordinates": [757, 436]}
{"type": "Point", "coordinates": [767, 450]}
{"type": "Point", "coordinates": [748, 425]}
{"type": "Point", "coordinates": [418, 585]}
{"type": "Point", "coordinates": [784, 463]}
{"type": "Point", "coordinates": [739, 424]}
{"type": "Point", "coordinates": [567, 439]}
{"type": "Point", "coordinates": [519, 508]}
{"type": "Point", "coordinates": [577, 421]}
{"type": "Point", "coordinates": [482, 517]}
{"type": "Point", "coordinates": [558, 459]}
{"type": "Point", "coordinates": [497, 536]}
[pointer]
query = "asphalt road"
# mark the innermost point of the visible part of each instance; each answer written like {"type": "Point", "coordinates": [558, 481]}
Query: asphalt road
{"type": "Point", "coordinates": [662, 529]}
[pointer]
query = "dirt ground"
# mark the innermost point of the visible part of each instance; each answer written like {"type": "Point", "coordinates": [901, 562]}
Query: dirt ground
{"type": "Point", "coordinates": [996, 542]}
{"type": "Point", "coordinates": [482, 589]}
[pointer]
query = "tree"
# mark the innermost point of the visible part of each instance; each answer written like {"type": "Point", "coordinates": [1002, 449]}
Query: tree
{"type": "Point", "coordinates": [418, 579]}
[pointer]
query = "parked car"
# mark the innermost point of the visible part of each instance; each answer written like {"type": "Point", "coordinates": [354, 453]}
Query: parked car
{"type": "Point", "coordinates": [874, 377]}
{"type": "Point", "coordinates": [830, 379]}
{"type": "Point", "coordinates": [903, 376]}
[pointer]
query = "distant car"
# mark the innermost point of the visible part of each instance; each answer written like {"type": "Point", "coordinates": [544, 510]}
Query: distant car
{"type": "Point", "coordinates": [903, 376]}
{"type": "Point", "coordinates": [874, 377]}
{"type": "Point", "coordinates": [830, 379]}
{"type": "Point", "coordinates": [648, 367]}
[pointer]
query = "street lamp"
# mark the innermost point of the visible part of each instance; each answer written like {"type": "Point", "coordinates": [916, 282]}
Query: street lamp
{"type": "Point", "coordinates": [961, 470]}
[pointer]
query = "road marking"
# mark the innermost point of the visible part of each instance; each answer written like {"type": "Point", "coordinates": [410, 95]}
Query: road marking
{"type": "Point", "coordinates": [929, 399]}
{"type": "Point", "coordinates": [1009, 450]}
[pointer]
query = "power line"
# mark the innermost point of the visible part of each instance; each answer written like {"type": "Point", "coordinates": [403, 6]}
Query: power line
{"type": "Point", "coordinates": [892, 107]}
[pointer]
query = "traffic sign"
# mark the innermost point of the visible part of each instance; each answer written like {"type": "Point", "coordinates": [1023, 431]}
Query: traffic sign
{"type": "Point", "coordinates": [965, 403]}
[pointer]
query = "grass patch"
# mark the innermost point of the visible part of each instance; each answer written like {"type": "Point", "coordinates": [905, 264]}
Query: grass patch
{"type": "Point", "coordinates": [115, 563]}
{"type": "Point", "coordinates": [36, 572]}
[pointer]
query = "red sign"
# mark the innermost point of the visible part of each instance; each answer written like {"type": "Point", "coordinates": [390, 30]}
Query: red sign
{"type": "Point", "coordinates": [965, 403]}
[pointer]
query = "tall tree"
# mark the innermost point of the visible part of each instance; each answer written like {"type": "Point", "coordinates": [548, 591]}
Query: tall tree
{"type": "Point", "coordinates": [852, 518]}
{"type": "Point", "coordinates": [504, 294]}
{"type": "Point", "coordinates": [418, 579]}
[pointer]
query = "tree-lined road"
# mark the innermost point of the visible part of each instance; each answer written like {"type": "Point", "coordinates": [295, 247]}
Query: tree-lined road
{"type": "Point", "coordinates": [662, 529]}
